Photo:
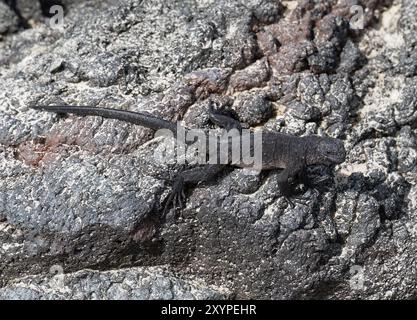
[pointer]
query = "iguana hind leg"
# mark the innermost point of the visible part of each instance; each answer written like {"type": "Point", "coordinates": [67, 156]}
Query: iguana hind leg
{"type": "Point", "coordinates": [186, 177]}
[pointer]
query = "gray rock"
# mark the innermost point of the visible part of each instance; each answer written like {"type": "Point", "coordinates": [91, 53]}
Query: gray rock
{"type": "Point", "coordinates": [253, 109]}
{"type": "Point", "coordinates": [9, 22]}
{"type": "Point", "coordinates": [147, 283]}
{"type": "Point", "coordinates": [88, 193]}
{"type": "Point", "coordinates": [28, 9]}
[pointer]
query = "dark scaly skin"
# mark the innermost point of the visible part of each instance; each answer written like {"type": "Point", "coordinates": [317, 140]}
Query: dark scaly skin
{"type": "Point", "coordinates": [279, 151]}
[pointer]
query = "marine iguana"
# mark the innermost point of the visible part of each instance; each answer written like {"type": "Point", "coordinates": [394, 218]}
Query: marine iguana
{"type": "Point", "coordinates": [290, 153]}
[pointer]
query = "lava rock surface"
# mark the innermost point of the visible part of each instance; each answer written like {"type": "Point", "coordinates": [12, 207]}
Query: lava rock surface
{"type": "Point", "coordinates": [86, 194]}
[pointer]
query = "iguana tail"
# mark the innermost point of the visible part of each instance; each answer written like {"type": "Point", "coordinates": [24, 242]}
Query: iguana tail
{"type": "Point", "coordinates": [137, 118]}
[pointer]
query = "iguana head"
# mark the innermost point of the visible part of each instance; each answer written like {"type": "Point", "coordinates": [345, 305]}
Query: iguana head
{"type": "Point", "coordinates": [324, 150]}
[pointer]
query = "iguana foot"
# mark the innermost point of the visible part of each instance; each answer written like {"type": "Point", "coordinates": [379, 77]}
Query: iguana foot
{"type": "Point", "coordinates": [295, 200]}
{"type": "Point", "coordinates": [176, 197]}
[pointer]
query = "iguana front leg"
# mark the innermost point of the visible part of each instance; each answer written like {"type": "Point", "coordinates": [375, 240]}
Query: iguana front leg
{"type": "Point", "coordinates": [285, 184]}
{"type": "Point", "coordinates": [312, 183]}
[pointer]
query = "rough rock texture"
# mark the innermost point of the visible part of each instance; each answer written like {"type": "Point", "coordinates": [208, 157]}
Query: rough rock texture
{"type": "Point", "coordinates": [8, 19]}
{"type": "Point", "coordinates": [87, 193]}
{"type": "Point", "coordinates": [134, 283]}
